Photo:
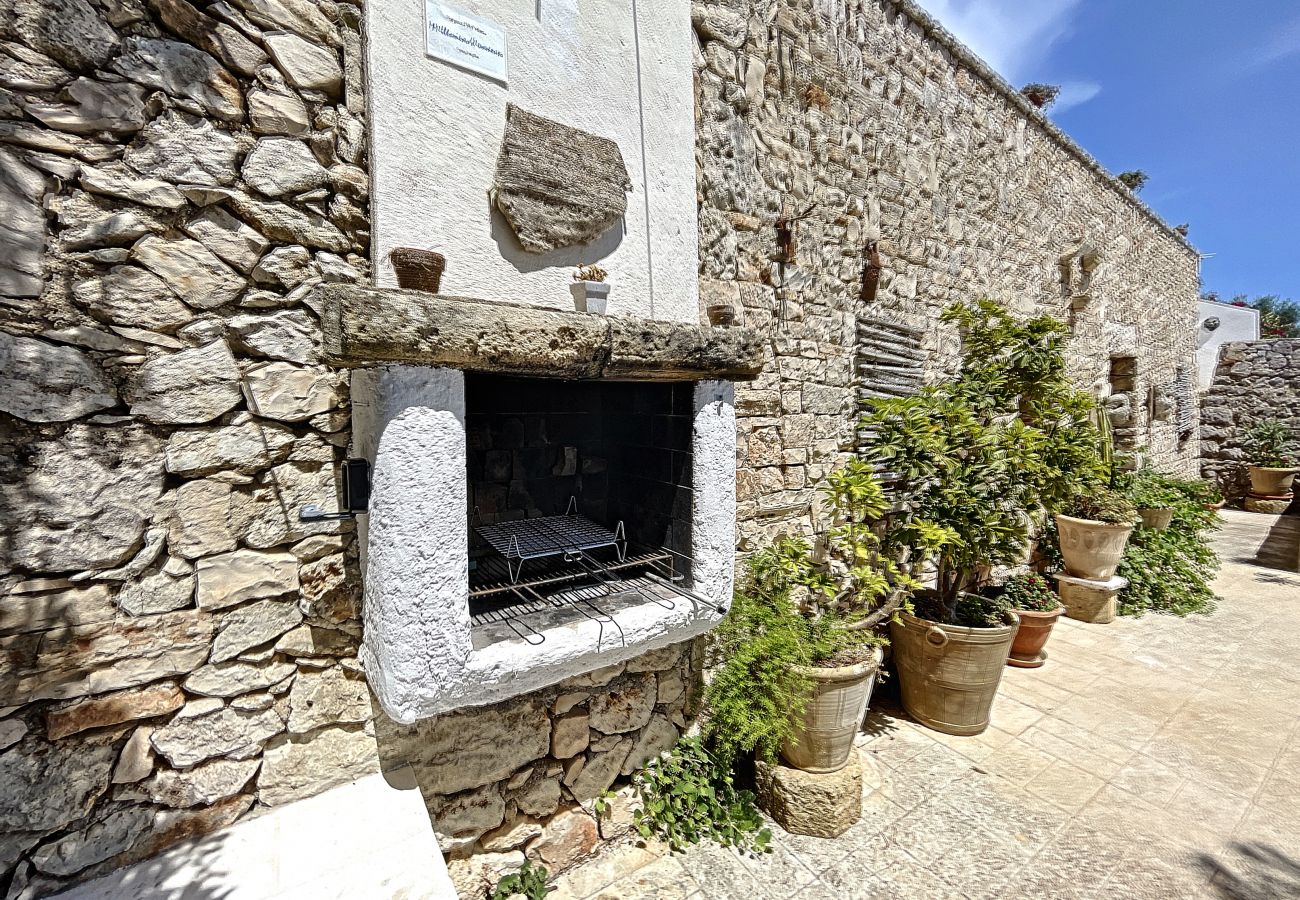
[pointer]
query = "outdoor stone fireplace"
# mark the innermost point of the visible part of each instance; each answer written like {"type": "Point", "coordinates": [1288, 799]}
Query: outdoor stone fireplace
{"type": "Point", "coordinates": [485, 422]}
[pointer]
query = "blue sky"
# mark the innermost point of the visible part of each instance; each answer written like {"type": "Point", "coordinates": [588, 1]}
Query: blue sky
{"type": "Point", "coordinates": [1202, 95]}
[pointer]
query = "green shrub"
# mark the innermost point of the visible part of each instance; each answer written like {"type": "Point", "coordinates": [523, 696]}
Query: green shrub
{"type": "Point", "coordinates": [687, 795]}
{"type": "Point", "coordinates": [1149, 489]}
{"type": "Point", "coordinates": [1030, 591]}
{"type": "Point", "coordinates": [530, 881]}
{"type": "Point", "coordinates": [1103, 504]}
{"type": "Point", "coordinates": [1170, 570]}
{"type": "Point", "coordinates": [1269, 443]}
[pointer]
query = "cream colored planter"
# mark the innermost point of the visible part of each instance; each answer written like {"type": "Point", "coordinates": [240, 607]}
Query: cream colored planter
{"type": "Point", "coordinates": [1267, 482]}
{"type": "Point", "coordinates": [1156, 518]}
{"type": "Point", "coordinates": [1091, 549]}
{"type": "Point", "coordinates": [824, 733]}
{"type": "Point", "coordinates": [949, 675]}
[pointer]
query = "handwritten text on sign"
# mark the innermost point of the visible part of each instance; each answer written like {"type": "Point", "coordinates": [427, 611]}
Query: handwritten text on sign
{"type": "Point", "coordinates": [465, 41]}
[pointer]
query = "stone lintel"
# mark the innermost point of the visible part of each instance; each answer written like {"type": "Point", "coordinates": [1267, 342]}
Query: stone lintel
{"type": "Point", "coordinates": [365, 326]}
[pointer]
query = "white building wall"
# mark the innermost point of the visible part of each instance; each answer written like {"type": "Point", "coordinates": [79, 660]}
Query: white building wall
{"type": "Point", "coordinates": [1236, 323]}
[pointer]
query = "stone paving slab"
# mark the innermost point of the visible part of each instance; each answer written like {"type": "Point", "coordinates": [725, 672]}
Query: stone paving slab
{"type": "Point", "coordinates": [1153, 757]}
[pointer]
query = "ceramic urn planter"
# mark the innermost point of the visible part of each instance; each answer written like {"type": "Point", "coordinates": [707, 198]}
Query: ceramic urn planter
{"type": "Point", "coordinates": [830, 721]}
{"type": "Point", "coordinates": [1270, 482]}
{"type": "Point", "coordinates": [1156, 518]}
{"type": "Point", "coordinates": [1091, 549]}
{"type": "Point", "coordinates": [1031, 636]}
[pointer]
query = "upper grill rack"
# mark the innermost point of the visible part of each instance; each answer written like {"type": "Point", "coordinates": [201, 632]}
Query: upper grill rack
{"type": "Point", "coordinates": [570, 536]}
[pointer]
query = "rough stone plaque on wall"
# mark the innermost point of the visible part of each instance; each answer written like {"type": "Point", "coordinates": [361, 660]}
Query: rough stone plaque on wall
{"type": "Point", "coordinates": [558, 186]}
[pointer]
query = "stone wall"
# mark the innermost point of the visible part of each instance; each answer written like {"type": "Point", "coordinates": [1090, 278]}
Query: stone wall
{"type": "Point", "coordinates": [864, 120]}
{"type": "Point", "coordinates": [176, 647]}
{"type": "Point", "coordinates": [1254, 380]}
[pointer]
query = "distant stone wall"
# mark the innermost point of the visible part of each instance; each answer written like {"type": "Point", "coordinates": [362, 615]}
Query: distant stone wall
{"type": "Point", "coordinates": [864, 120]}
{"type": "Point", "coordinates": [176, 647]}
{"type": "Point", "coordinates": [1254, 380]}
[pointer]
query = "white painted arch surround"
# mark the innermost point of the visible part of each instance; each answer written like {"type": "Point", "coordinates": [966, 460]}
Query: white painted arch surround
{"type": "Point", "coordinates": [418, 652]}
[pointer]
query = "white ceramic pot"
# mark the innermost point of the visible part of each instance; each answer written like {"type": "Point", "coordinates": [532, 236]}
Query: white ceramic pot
{"type": "Point", "coordinates": [824, 733]}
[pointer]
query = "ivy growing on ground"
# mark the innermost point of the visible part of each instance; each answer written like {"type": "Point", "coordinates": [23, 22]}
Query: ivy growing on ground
{"type": "Point", "coordinates": [530, 881]}
{"type": "Point", "coordinates": [1170, 570]}
{"type": "Point", "coordinates": [688, 795]}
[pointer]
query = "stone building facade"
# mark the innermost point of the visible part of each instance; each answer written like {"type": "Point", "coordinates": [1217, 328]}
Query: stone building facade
{"type": "Point", "coordinates": [865, 120]}
{"type": "Point", "coordinates": [177, 649]}
{"type": "Point", "coordinates": [1254, 380]}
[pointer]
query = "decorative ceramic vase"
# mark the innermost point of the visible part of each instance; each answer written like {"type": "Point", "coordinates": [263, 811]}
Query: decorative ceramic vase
{"type": "Point", "coordinates": [1270, 482]}
{"type": "Point", "coordinates": [1156, 518]}
{"type": "Point", "coordinates": [824, 733]}
{"type": "Point", "coordinates": [1091, 549]}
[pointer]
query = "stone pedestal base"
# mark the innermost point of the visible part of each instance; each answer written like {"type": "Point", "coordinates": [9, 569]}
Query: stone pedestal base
{"type": "Point", "coordinates": [1272, 505]}
{"type": "Point", "coordinates": [817, 805]}
{"type": "Point", "coordinates": [1088, 600]}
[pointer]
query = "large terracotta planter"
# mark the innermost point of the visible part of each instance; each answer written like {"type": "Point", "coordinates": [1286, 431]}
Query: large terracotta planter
{"type": "Point", "coordinates": [824, 733]}
{"type": "Point", "coordinates": [1091, 549]}
{"type": "Point", "coordinates": [948, 674]}
{"type": "Point", "coordinates": [1267, 482]}
{"type": "Point", "coordinates": [1035, 628]}
{"type": "Point", "coordinates": [1156, 518]}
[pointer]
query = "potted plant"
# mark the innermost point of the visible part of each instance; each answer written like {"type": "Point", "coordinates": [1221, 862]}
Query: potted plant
{"type": "Point", "coordinates": [1271, 452]}
{"type": "Point", "coordinates": [1034, 601]}
{"type": "Point", "coordinates": [1155, 497]}
{"type": "Point", "coordinates": [980, 459]}
{"type": "Point", "coordinates": [798, 652]}
{"type": "Point", "coordinates": [1041, 95]}
{"type": "Point", "coordinates": [1093, 530]}
{"type": "Point", "coordinates": [590, 290]}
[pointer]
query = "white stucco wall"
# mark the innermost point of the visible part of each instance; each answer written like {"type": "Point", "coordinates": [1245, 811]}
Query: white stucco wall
{"type": "Point", "coordinates": [419, 653]}
{"type": "Point", "coordinates": [1236, 323]}
{"type": "Point", "coordinates": [604, 66]}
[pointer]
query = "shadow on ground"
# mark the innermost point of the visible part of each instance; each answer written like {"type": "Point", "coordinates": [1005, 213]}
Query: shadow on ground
{"type": "Point", "coordinates": [1253, 871]}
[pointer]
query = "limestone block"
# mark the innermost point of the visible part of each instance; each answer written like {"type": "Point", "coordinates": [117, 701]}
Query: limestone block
{"type": "Point", "coordinates": [277, 112]}
{"type": "Point", "coordinates": [84, 498]}
{"type": "Point", "coordinates": [804, 803]}
{"type": "Point", "coordinates": [43, 382]}
{"type": "Point", "coordinates": [191, 270]}
{"type": "Point", "coordinates": [290, 335]}
{"type": "Point", "coordinates": [243, 575]}
{"type": "Point", "coordinates": [221, 40]}
{"type": "Point", "coordinates": [567, 838]}
{"type": "Point", "coordinates": [277, 166]}
{"type": "Point", "coordinates": [202, 785]}
{"type": "Point", "coordinates": [183, 71]}
{"type": "Point", "coordinates": [48, 785]}
{"type": "Point", "coordinates": [557, 186]}
{"type": "Point", "coordinates": [188, 387]}
{"type": "Point", "coordinates": [1088, 600]}
{"type": "Point", "coordinates": [625, 708]}
{"type": "Point", "coordinates": [185, 742]}
{"type": "Point", "coordinates": [201, 522]}
{"type": "Point", "coordinates": [116, 181]}
{"type": "Point", "coordinates": [285, 266]}
{"type": "Point", "coordinates": [159, 591]}
{"type": "Point", "coordinates": [70, 31]}
{"type": "Point", "coordinates": [540, 798]}
{"type": "Point", "coordinates": [102, 839]}
{"type": "Point", "coordinates": [327, 698]}
{"type": "Point", "coordinates": [304, 64]}
{"type": "Point", "coordinates": [230, 239]}
{"type": "Point", "coordinates": [232, 679]}
{"type": "Point", "coordinates": [113, 709]}
{"type": "Point", "coordinates": [136, 761]}
{"type": "Point", "coordinates": [510, 836]}
{"type": "Point", "coordinates": [132, 296]}
{"type": "Point", "coordinates": [253, 625]}
{"type": "Point", "coordinates": [11, 732]}
{"type": "Point", "coordinates": [570, 735]}
{"type": "Point", "coordinates": [247, 447]}
{"type": "Point", "coordinates": [478, 746]}
{"type": "Point", "coordinates": [1265, 505]}
{"type": "Point", "coordinates": [315, 641]}
{"type": "Point", "coordinates": [292, 770]}
{"type": "Point", "coordinates": [655, 738]}
{"type": "Point", "coordinates": [593, 776]}
{"type": "Point", "coordinates": [282, 391]}
{"type": "Point", "coordinates": [468, 813]}
{"type": "Point", "coordinates": [94, 106]}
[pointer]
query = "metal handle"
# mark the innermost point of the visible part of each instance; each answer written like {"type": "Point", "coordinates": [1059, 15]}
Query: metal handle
{"type": "Point", "coordinates": [935, 631]}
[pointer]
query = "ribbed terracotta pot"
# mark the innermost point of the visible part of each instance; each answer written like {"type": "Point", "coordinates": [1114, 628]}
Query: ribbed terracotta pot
{"type": "Point", "coordinates": [1156, 518]}
{"type": "Point", "coordinates": [1091, 549]}
{"type": "Point", "coordinates": [1268, 482]}
{"type": "Point", "coordinates": [1031, 636]}
{"type": "Point", "coordinates": [824, 733]}
{"type": "Point", "coordinates": [948, 675]}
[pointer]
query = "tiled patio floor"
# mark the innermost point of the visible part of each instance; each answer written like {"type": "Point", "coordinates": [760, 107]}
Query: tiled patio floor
{"type": "Point", "coordinates": [1155, 757]}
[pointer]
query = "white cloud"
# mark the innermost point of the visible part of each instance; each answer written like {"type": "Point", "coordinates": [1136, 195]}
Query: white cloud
{"type": "Point", "coordinates": [1285, 42]}
{"type": "Point", "coordinates": [1074, 93]}
{"type": "Point", "coordinates": [1012, 36]}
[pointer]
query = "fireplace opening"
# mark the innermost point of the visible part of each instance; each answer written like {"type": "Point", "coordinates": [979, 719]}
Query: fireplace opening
{"type": "Point", "coordinates": [579, 503]}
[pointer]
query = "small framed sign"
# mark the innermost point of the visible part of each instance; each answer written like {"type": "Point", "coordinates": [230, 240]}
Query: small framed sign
{"type": "Point", "coordinates": [464, 40]}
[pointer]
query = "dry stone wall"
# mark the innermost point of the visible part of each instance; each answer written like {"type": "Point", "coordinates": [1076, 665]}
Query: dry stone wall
{"type": "Point", "coordinates": [176, 647]}
{"type": "Point", "coordinates": [864, 120]}
{"type": "Point", "coordinates": [1254, 380]}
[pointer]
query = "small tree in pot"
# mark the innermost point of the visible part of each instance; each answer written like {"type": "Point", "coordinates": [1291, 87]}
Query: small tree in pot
{"type": "Point", "coordinates": [798, 652]}
{"type": "Point", "coordinates": [1155, 496]}
{"type": "Point", "coordinates": [1271, 453]}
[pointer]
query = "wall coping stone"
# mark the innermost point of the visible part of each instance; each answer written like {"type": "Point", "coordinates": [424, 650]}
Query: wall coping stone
{"type": "Point", "coordinates": [365, 326]}
{"type": "Point", "coordinates": [941, 35]}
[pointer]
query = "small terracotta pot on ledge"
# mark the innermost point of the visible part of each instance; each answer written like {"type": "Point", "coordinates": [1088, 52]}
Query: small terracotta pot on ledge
{"type": "Point", "coordinates": [418, 270]}
{"type": "Point", "coordinates": [1035, 628]}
